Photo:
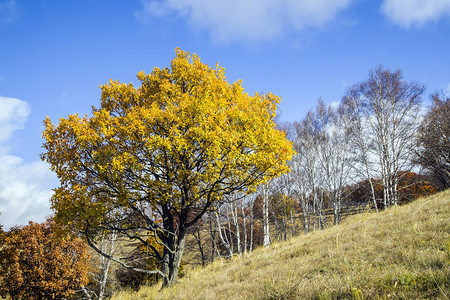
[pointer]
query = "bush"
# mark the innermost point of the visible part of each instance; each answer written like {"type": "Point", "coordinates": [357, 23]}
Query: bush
{"type": "Point", "coordinates": [35, 263]}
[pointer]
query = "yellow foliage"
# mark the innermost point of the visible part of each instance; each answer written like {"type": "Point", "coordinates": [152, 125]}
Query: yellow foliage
{"type": "Point", "coordinates": [185, 138]}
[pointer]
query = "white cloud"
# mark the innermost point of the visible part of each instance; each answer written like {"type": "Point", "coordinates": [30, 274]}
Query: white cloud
{"type": "Point", "coordinates": [255, 20]}
{"type": "Point", "coordinates": [24, 192]}
{"type": "Point", "coordinates": [407, 13]}
{"type": "Point", "coordinates": [13, 113]}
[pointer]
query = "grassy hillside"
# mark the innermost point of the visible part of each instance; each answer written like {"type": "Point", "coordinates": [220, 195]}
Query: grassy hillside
{"type": "Point", "coordinates": [400, 253]}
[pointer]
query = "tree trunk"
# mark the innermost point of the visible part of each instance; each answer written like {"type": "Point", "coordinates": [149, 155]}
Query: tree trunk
{"type": "Point", "coordinates": [197, 236]}
{"type": "Point", "coordinates": [305, 214]}
{"type": "Point", "coordinates": [234, 214]}
{"type": "Point", "coordinates": [230, 239]}
{"type": "Point", "coordinates": [222, 239]}
{"type": "Point", "coordinates": [374, 198]}
{"type": "Point", "coordinates": [213, 238]}
{"type": "Point", "coordinates": [251, 228]}
{"type": "Point", "coordinates": [172, 262]}
{"type": "Point", "coordinates": [108, 246]}
{"type": "Point", "coordinates": [266, 216]}
{"type": "Point", "coordinates": [278, 232]}
{"type": "Point", "coordinates": [291, 216]}
{"type": "Point", "coordinates": [314, 210]}
{"type": "Point", "coordinates": [244, 224]}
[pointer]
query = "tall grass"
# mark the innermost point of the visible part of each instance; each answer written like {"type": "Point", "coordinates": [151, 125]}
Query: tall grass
{"type": "Point", "coordinates": [401, 253]}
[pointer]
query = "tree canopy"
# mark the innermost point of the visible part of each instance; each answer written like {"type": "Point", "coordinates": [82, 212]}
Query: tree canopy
{"type": "Point", "coordinates": [152, 160]}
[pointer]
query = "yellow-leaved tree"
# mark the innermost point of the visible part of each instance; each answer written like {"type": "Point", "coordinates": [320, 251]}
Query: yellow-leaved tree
{"type": "Point", "coordinates": [154, 159]}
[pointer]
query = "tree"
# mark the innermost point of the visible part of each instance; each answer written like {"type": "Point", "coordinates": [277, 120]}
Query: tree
{"type": "Point", "coordinates": [225, 239]}
{"type": "Point", "coordinates": [99, 275]}
{"type": "Point", "coordinates": [158, 157]}
{"type": "Point", "coordinates": [265, 211]}
{"type": "Point", "coordinates": [36, 264]}
{"type": "Point", "coordinates": [333, 154]}
{"type": "Point", "coordinates": [306, 165]}
{"type": "Point", "coordinates": [384, 108]}
{"type": "Point", "coordinates": [362, 146]}
{"type": "Point", "coordinates": [433, 141]}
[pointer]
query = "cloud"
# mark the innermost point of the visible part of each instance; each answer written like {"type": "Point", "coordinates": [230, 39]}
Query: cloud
{"type": "Point", "coordinates": [8, 11]}
{"type": "Point", "coordinates": [13, 113]}
{"type": "Point", "coordinates": [24, 192]}
{"type": "Point", "coordinates": [407, 13]}
{"type": "Point", "coordinates": [255, 20]}
{"type": "Point", "coordinates": [335, 104]}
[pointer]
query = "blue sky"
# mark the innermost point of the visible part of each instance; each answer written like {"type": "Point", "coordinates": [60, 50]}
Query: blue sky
{"type": "Point", "coordinates": [55, 54]}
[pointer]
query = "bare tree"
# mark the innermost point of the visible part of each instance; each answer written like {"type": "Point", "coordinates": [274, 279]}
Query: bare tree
{"type": "Point", "coordinates": [300, 187]}
{"type": "Point", "coordinates": [333, 153]}
{"type": "Point", "coordinates": [287, 181]}
{"type": "Point", "coordinates": [387, 108]}
{"type": "Point", "coordinates": [362, 147]}
{"type": "Point", "coordinates": [212, 233]}
{"type": "Point", "coordinates": [109, 245]}
{"type": "Point", "coordinates": [251, 205]}
{"type": "Point", "coordinates": [244, 223]}
{"type": "Point", "coordinates": [308, 167]}
{"type": "Point", "coordinates": [433, 141]}
{"type": "Point", "coordinates": [224, 237]}
{"type": "Point", "coordinates": [265, 208]}
{"type": "Point", "coordinates": [233, 208]}
{"type": "Point", "coordinates": [98, 287]}
{"type": "Point", "coordinates": [197, 234]}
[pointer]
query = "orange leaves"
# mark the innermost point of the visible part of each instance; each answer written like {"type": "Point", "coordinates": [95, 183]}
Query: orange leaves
{"type": "Point", "coordinates": [35, 264]}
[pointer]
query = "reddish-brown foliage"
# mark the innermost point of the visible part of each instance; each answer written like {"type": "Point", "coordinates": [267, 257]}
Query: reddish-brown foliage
{"type": "Point", "coordinates": [36, 264]}
{"type": "Point", "coordinates": [411, 186]}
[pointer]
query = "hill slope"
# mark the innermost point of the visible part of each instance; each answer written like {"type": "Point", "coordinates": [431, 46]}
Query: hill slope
{"type": "Point", "coordinates": [400, 253]}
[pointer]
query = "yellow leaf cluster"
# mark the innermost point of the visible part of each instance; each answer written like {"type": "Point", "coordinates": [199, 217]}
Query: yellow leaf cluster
{"type": "Point", "coordinates": [184, 137]}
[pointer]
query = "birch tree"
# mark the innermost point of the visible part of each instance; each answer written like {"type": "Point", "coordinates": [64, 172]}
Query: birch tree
{"type": "Point", "coordinates": [108, 245]}
{"type": "Point", "coordinates": [299, 184]}
{"type": "Point", "coordinates": [333, 153]}
{"type": "Point", "coordinates": [387, 107]}
{"type": "Point", "coordinates": [362, 148]}
{"type": "Point", "coordinates": [225, 241]}
{"type": "Point", "coordinates": [265, 212]}
{"type": "Point", "coordinates": [309, 135]}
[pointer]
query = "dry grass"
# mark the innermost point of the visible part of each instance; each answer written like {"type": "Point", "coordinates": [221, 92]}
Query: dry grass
{"type": "Point", "coordinates": [402, 253]}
